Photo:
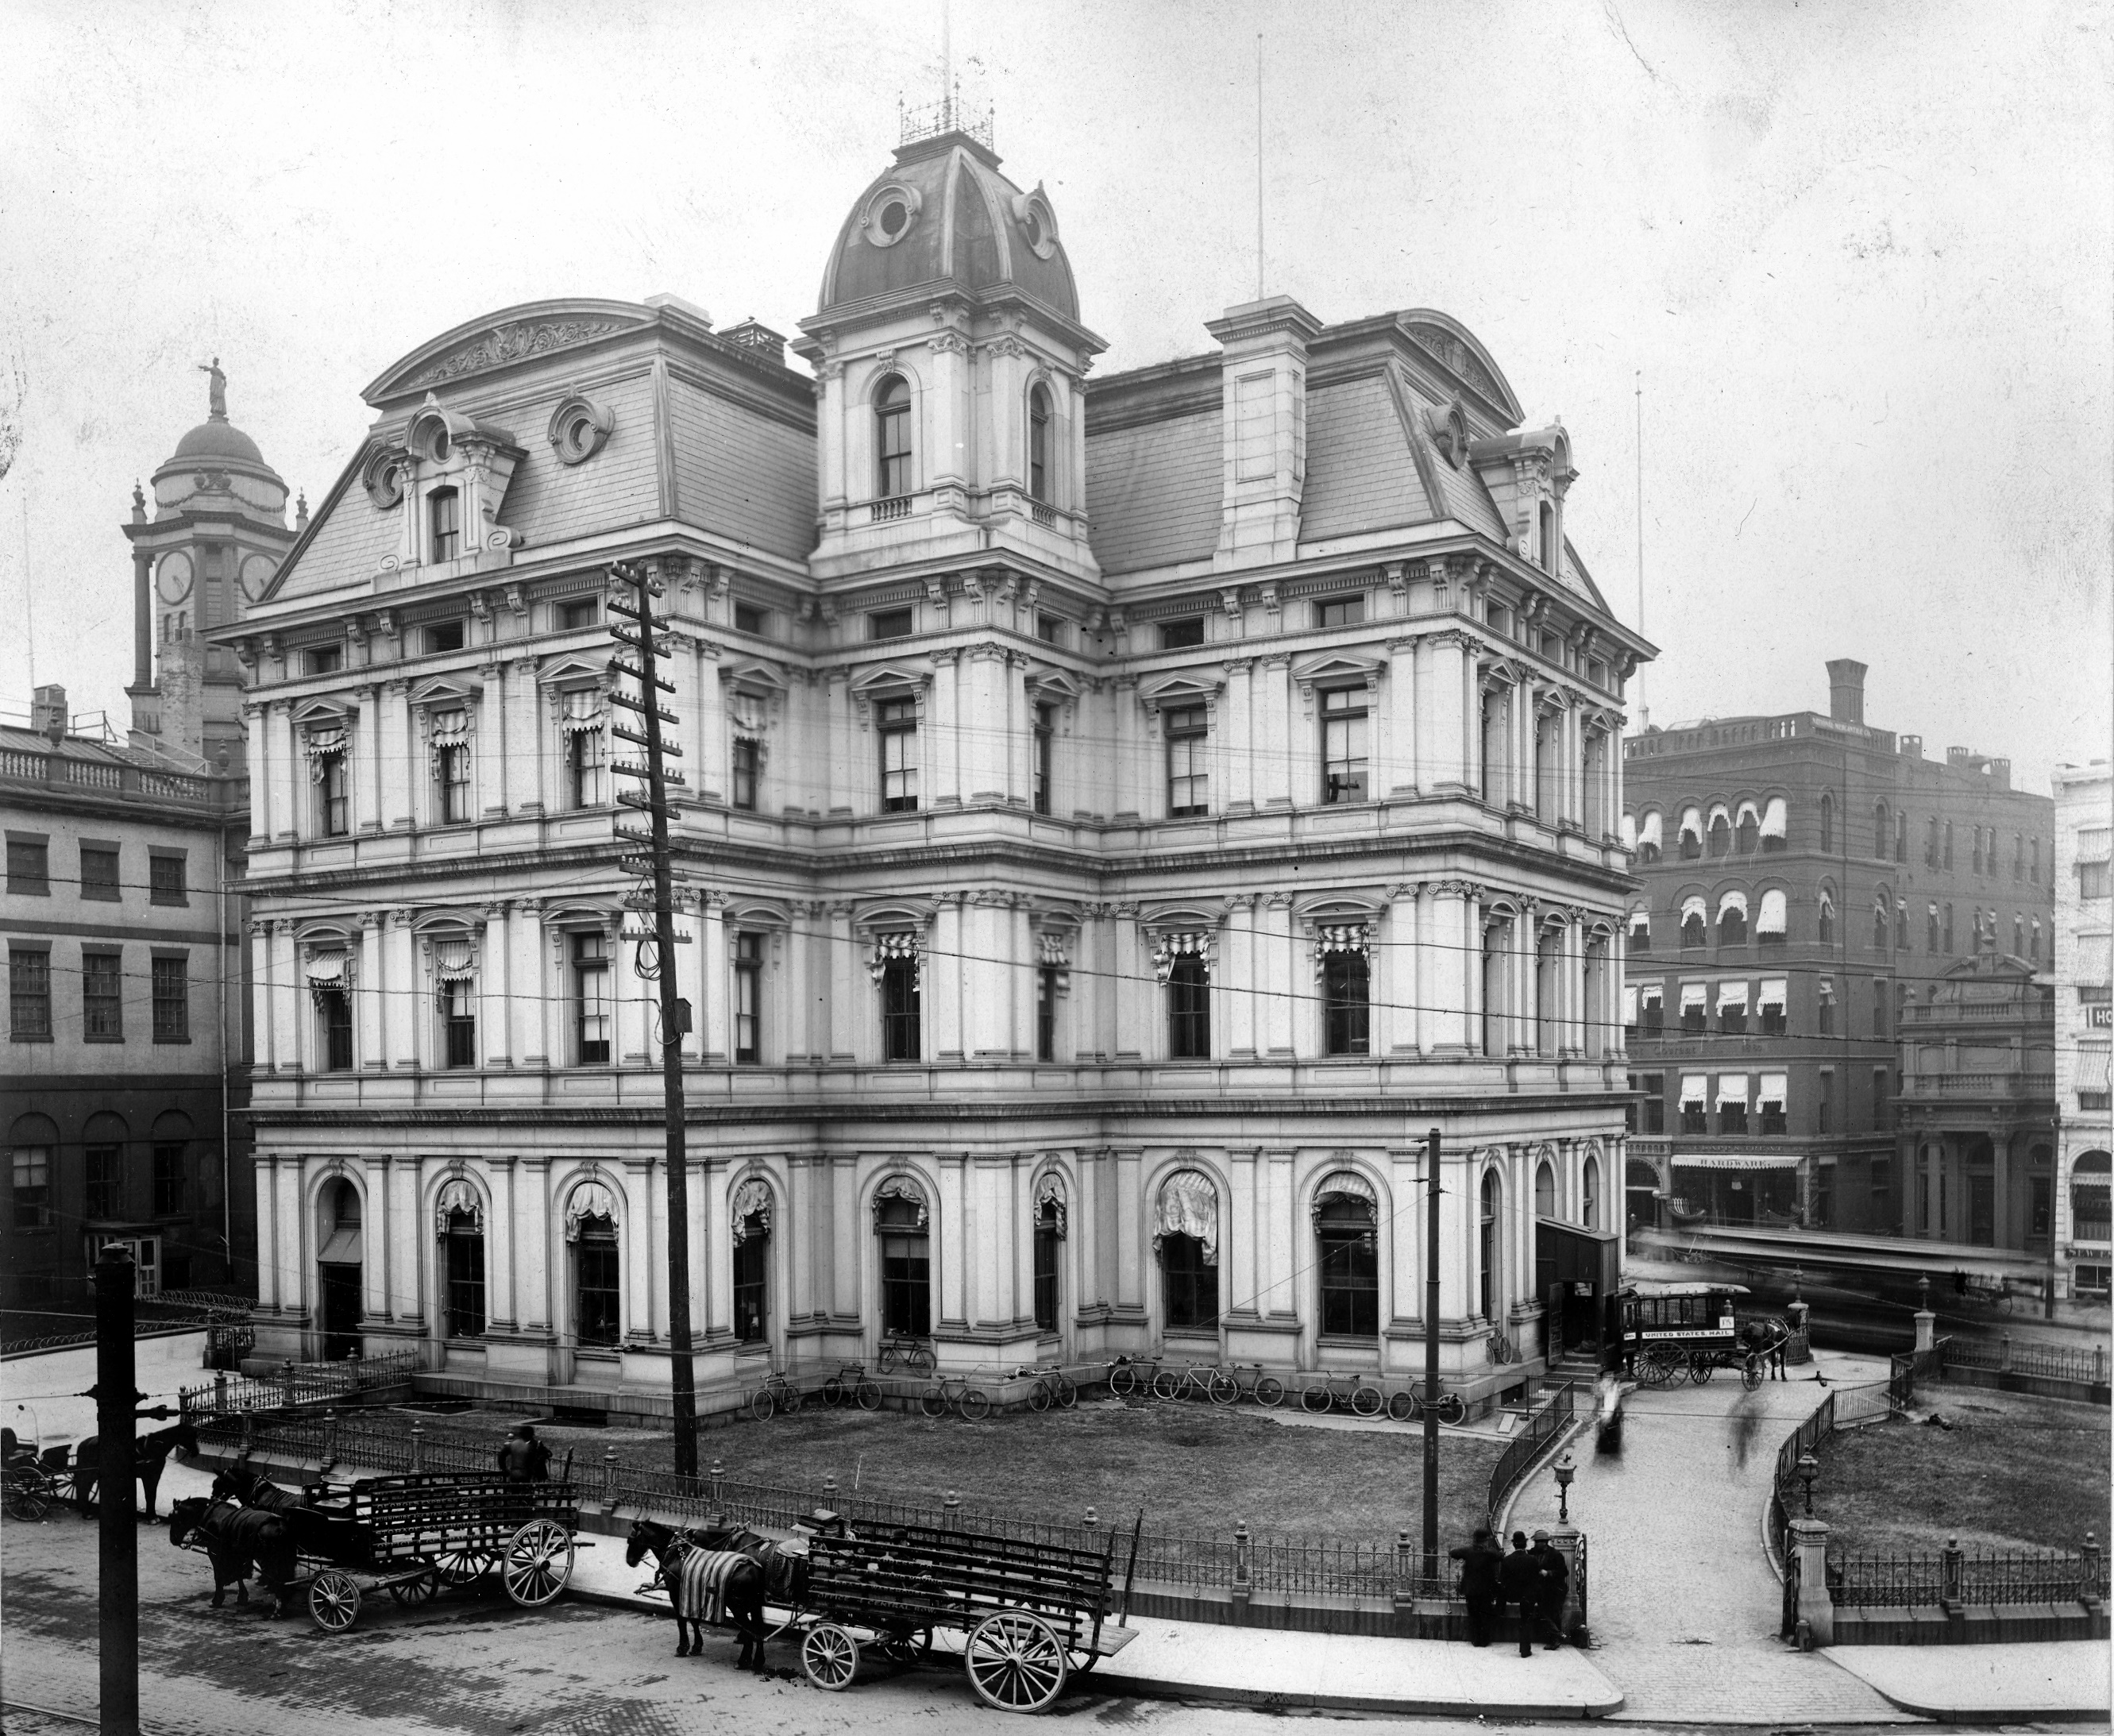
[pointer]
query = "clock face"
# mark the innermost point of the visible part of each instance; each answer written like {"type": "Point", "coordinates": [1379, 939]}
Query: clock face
{"type": "Point", "coordinates": [172, 577]}
{"type": "Point", "coordinates": [257, 573]}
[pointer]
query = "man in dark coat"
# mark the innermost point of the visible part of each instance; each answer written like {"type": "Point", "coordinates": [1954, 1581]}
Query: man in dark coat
{"type": "Point", "coordinates": [1479, 1561]}
{"type": "Point", "coordinates": [1555, 1581]}
{"type": "Point", "coordinates": [1519, 1580]}
{"type": "Point", "coordinates": [525, 1458]}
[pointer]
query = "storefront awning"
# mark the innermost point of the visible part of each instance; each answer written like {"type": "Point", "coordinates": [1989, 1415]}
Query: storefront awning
{"type": "Point", "coordinates": [1733, 1160]}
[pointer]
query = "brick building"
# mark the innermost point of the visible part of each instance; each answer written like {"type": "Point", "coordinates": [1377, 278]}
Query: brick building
{"type": "Point", "coordinates": [1805, 876]}
{"type": "Point", "coordinates": [2084, 1026]}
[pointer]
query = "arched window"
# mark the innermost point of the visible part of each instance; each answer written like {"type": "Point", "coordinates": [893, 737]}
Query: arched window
{"type": "Point", "coordinates": [1486, 1249]}
{"type": "Point", "coordinates": [1347, 979]}
{"type": "Point", "coordinates": [1651, 837]}
{"type": "Point", "coordinates": [1747, 829]}
{"type": "Point", "coordinates": [1589, 1212]}
{"type": "Point", "coordinates": [2089, 1177]}
{"type": "Point", "coordinates": [1879, 922]}
{"type": "Point", "coordinates": [901, 1222]}
{"type": "Point", "coordinates": [1930, 933]}
{"type": "Point", "coordinates": [2034, 942]}
{"type": "Point", "coordinates": [1879, 830]}
{"type": "Point", "coordinates": [1189, 1006]}
{"type": "Point", "coordinates": [1691, 834]}
{"type": "Point", "coordinates": [1548, 988]}
{"type": "Point", "coordinates": [1824, 917]}
{"type": "Point", "coordinates": [1347, 1253]}
{"type": "Point", "coordinates": [1774, 918]}
{"type": "Point", "coordinates": [2018, 935]}
{"type": "Point", "coordinates": [597, 1293]}
{"type": "Point", "coordinates": [892, 412]}
{"type": "Point", "coordinates": [1548, 549]}
{"type": "Point", "coordinates": [1050, 1226]}
{"type": "Point", "coordinates": [1640, 1191]}
{"type": "Point", "coordinates": [1776, 825]}
{"type": "Point", "coordinates": [750, 1214]}
{"type": "Point", "coordinates": [1695, 923]}
{"type": "Point", "coordinates": [1901, 925]}
{"type": "Point", "coordinates": [444, 516]}
{"type": "Point", "coordinates": [1186, 1241]}
{"type": "Point", "coordinates": [1544, 1189]}
{"type": "Point", "coordinates": [1733, 920]}
{"type": "Point", "coordinates": [461, 1224]}
{"type": "Point", "coordinates": [339, 1261]}
{"type": "Point", "coordinates": [1720, 833]}
{"type": "Point", "coordinates": [1827, 822]}
{"type": "Point", "coordinates": [1038, 445]}
{"type": "Point", "coordinates": [1497, 1003]}
{"type": "Point", "coordinates": [1947, 934]}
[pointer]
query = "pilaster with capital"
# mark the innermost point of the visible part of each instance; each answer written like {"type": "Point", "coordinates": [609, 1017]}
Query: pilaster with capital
{"type": "Point", "coordinates": [1238, 995]}
{"type": "Point", "coordinates": [1237, 751]}
{"type": "Point", "coordinates": [1131, 974]}
{"type": "Point", "coordinates": [717, 989]}
{"type": "Point", "coordinates": [493, 987]}
{"type": "Point", "coordinates": [489, 746]}
{"type": "Point", "coordinates": [1449, 714]}
{"type": "Point", "coordinates": [1399, 772]}
{"type": "Point", "coordinates": [401, 1022]}
{"type": "Point", "coordinates": [366, 993]}
{"type": "Point", "coordinates": [286, 990]}
{"type": "Point", "coordinates": [1276, 986]}
{"type": "Point", "coordinates": [528, 745]}
{"type": "Point", "coordinates": [1270, 726]}
{"type": "Point", "coordinates": [945, 754]}
{"type": "Point", "coordinates": [364, 779]}
{"type": "Point", "coordinates": [267, 1058]}
{"type": "Point", "coordinates": [280, 770]}
{"type": "Point", "coordinates": [1399, 1007]}
{"type": "Point", "coordinates": [943, 976]}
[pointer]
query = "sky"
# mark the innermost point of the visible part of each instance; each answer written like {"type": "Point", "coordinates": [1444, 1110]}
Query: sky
{"type": "Point", "coordinates": [1858, 257]}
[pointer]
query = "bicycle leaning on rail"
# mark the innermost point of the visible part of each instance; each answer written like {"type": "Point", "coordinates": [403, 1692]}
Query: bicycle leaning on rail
{"type": "Point", "coordinates": [1409, 1406]}
{"type": "Point", "coordinates": [912, 1355]}
{"type": "Point", "coordinates": [1345, 1387]}
{"type": "Point", "coordinates": [1250, 1382]}
{"type": "Point", "coordinates": [1198, 1380]}
{"type": "Point", "coordinates": [851, 1384]}
{"type": "Point", "coordinates": [1130, 1374]}
{"type": "Point", "coordinates": [954, 1391]}
{"type": "Point", "coordinates": [776, 1394]}
{"type": "Point", "coordinates": [1052, 1386]}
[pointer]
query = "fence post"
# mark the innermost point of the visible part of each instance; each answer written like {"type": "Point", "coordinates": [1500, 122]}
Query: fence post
{"type": "Point", "coordinates": [249, 1429]}
{"type": "Point", "coordinates": [952, 1502]}
{"type": "Point", "coordinates": [219, 1391]}
{"type": "Point", "coordinates": [2004, 1354]}
{"type": "Point", "coordinates": [1816, 1603]}
{"type": "Point", "coordinates": [830, 1490]}
{"type": "Point", "coordinates": [418, 1448]}
{"type": "Point", "coordinates": [2088, 1578]}
{"type": "Point", "coordinates": [609, 1479]}
{"type": "Point", "coordinates": [1405, 1574]}
{"type": "Point", "coordinates": [1092, 1519]}
{"type": "Point", "coordinates": [713, 1483]}
{"type": "Point", "coordinates": [1926, 1321]}
{"type": "Point", "coordinates": [1953, 1562]}
{"type": "Point", "coordinates": [2099, 1365]}
{"type": "Point", "coordinates": [327, 1456]}
{"type": "Point", "coordinates": [1243, 1586]}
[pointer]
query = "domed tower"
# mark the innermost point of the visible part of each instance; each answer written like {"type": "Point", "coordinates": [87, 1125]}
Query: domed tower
{"type": "Point", "coordinates": [951, 368]}
{"type": "Point", "coordinates": [217, 536]}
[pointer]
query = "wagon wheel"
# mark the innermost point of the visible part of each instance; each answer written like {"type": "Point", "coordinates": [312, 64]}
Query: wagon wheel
{"type": "Point", "coordinates": [869, 1396]}
{"type": "Point", "coordinates": [1015, 1662]}
{"type": "Point", "coordinates": [459, 1567]}
{"type": "Point", "coordinates": [1365, 1401]}
{"type": "Point", "coordinates": [976, 1404]}
{"type": "Point", "coordinates": [911, 1647]}
{"type": "Point", "coordinates": [1658, 1366]}
{"type": "Point", "coordinates": [27, 1503]}
{"type": "Point", "coordinates": [1699, 1370]}
{"type": "Point", "coordinates": [333, 1600]}
{"type": "Point", "coordinates": [1269, 1390]}
{"type": "Point", "coordinates": [830, 1657]}
{"type": "Point", "coordinates": [410, 1593]}
{"type": "Point", "coordinates": [1068, 1391]}
{"type": "Point", "coordinates": [1039, 1396]}
{"type": "Point", "coordinates": [538, 1563]}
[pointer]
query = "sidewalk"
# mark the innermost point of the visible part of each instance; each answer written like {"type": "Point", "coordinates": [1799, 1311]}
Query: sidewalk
{"type": "Point", "coordinates": [1974, 1684]}
{"type": "Point", "coordinates": [1199, 1661]}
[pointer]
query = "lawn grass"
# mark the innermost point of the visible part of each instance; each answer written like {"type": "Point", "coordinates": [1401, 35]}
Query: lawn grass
{"type": "Point", "coordinates": [2013, 1471]}
{"type": "Point", "coordinates": [1196, 1470]}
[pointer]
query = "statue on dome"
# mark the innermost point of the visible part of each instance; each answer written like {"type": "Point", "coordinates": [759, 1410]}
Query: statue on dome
{"type": "Point", "coordinates": [215, 387]}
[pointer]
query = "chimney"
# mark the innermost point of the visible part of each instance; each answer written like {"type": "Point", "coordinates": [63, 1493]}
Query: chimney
{"type": "Point", "coordinates": [1912, 747]}
{"type": "Point", "coordinates": [1263, 379]}
{"type": "Point", "coordinates": [2000, 773]}
{"type": "Point", "coordinates": [48, 712]}
{"type": "Point", "coordinates": [1846, 690]}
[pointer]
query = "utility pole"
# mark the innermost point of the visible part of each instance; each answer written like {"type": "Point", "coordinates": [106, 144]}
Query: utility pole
{"type": "Point", "coordinates": [118, 1541]}
{"type": "Point", "coordinates": [643, 581]}
{"type": "Point", "coordinates": [1431, 1355]}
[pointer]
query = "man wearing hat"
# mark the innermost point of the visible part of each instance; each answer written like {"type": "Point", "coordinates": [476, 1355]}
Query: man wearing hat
{"type": "Point", "coordinates": [1555, 1580]}
{"type": "Point", "coordinates": [1519, 1579]}
{"type": "Point", "coordinates": [523, 1459]}
{"type": "Point", "coordinates": [1479, 1561]}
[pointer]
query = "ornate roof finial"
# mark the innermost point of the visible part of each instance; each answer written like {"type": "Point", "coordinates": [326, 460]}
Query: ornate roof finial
{"type": "Point", "coordinates": [216, 389]}
{"type": "Point", "coordinates": [139, 503]}
{"type": "Point", "coordinates": [301, 510]}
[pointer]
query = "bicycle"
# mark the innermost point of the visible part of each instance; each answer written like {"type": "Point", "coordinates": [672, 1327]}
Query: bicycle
{"type": "Point", "coordinates": [1264, 1388]}
{"type": "Point", "coordinates": [776, 1394]}
{"type": "Point", "coordinates": [955, 1391]}
{"type": "Point", "coordinates": [1127, 1375]}
{"type": "Point", "coordinates": [1362, 1399]}
{"type": "Point", "coordinates": [1501, 1349]}
{"type": "Point", "coordinates": [1052, 1386]}
{"type": "Point", "coordinates": [1208, 1382]}
{"type": "Point", "coordinates": [912, 1355]}
{"type": "Point", "coordinates": [850, 1385]}
{"type": "Point", "coordinates": [1410, 1404]}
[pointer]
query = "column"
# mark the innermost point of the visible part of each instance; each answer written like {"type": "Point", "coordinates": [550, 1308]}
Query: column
{"type": "Point", "coordinates": [1271, 727]}
{"type": "Point", "coordinates": [843, 966]}
{"type": "Point", "coordinates": [287, 990]}
{"type": "Point", "coordinates": [525, 987]}
{"type": "Point", "coordinates": [500, 1306]}
{"type": "Point", "coordinates": [400, 993]}
{"type": "Point", "coordinates": [1022, 976]}
{"type": "Point", "coordinates": [636, 1249]}
{"type": "Point", "coordinates": [705, 726]}
{"type": "Point", "coordinates": [1019, 737]}
{"type": "Point", "coordinates": [279, 767]}
{"type": "Point", "coordinates": [488, 758]}
{"type": "Point", "coordinates": [716, 992]}
{"type": "Point", "coordinates": [398, 749]}
{"type": "Point", "coordinates": [1398, 773]}
{"type": "Point", "coordinates": [1134, 985]}
{"type": "Point", "coordinates": [1237, 994]}
{"type": "Point", "coordinates": [952, 1237]}
{"type": "Point", "coordinates": [943, 978]}
{"type": "Point", "coordinates": [1466, 988]}
{"type": "Point", "coordinates": [1236, 753]}
{"type": "Point", "coordinates": [636, 1012]}
{"type": "Point", "coordinates": [266, 1059]}
{"type": "Point", "coordinates": [494, 985]}
{"type": "Point", "coordinates": [533, 1310]}
{"type": "Point", "coordinates": [1406, 1238]}
{"type": "Point", "coordinates": [1094, 987]}
{"type": "Point", "coordinates": [294, 1263]}
{"type": "Point", "coordinates": [1133, 1234]}
{"type": "Point", "coordinates": [523, 786]}
{"type": "Point", "coordinates": [256, 741]}
{"type": "Point", "coordinates": [1275, 1016]}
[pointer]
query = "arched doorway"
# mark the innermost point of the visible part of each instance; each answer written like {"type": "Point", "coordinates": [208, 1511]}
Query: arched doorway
{"type": "Point", "coordinates": [340, 1256]}
{"type": "Point", "coordinates": [1639, 1194]}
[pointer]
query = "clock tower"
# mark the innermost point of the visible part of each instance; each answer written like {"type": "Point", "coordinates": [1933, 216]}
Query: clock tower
{"type": "Point", "coordinates": [215, 535]}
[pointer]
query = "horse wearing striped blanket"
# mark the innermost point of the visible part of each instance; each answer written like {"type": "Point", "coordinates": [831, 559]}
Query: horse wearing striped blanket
{"type": "Point", "coordinates": [706, 1588]}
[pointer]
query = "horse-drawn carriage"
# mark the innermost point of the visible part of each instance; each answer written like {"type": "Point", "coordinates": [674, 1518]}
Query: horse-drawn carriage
{"type": "Point", "coordinates": [411, 1537]}
{"type": "Point", "coordinates": [1028, 1613]}
{"type": "Point", "coordinates": [1672, 1332]}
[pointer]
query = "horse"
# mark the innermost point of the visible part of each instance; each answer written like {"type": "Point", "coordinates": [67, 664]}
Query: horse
{"type": "Point", "coordinates": [149, 1453]}
{"type": "Point", "coordinates": [706, 1587]}
{"type": "Point", "coordinates": [238, 1541]}
{"type": "Point", "coordinates": [246, 1484]}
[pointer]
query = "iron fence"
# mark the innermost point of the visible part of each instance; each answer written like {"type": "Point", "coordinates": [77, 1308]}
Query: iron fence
{"type": "Point", "coordinates": [1914, 1579]}
{"type": "Point", "coordinates": [2047, 1362]}
{"type": "Point", "coordinates": [301, 1384]}
{"type": "Point", "coordinates": [1517, 1458]}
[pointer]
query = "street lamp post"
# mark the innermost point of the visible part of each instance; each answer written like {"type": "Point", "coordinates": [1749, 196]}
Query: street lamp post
{"type": "Point", "coordinates": [1566, 1468]}
{"type": "Point", "coordinates": [1808, 1468]}
{"type": "Point", "coordinates": [1431, 1356]}
{"type": "Point", "coordinates": [117, 1553]}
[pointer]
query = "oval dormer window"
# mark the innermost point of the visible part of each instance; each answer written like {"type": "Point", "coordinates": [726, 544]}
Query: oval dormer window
{"type": "Point", "coordinates": [1038, 223]}
{"type": "Point", "coordinates": [441, 446]}
{"type": "Point", "coordinates": [891, 214]}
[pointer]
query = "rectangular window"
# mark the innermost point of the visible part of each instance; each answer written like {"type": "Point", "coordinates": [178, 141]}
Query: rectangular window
{"type": "Point", "coordinates": [444, 635]}
{"type": "Point", "coordinates": [2092, 880]}
{"type": "Point", "coordinates": [1177, 635]}
{"type": "Point", "coordinates": [28, 868]}
{"type": "Point", "coordinates": [1948, 844]}
{"type": "Point", "coordinates": [465, 1250]}
{"type": "Point", "coordinates": [1732, 1118]}
{"type": "Point", "coordinates": [591, 1008]}
{"type": "Point", "coordinates": [32, 1165]}
{"type": "Point", "coordinates": [458, 1024]}
{"type": "Point", "coordinates": [751, 1265]}
{"type": "Point", "coordinates": [171, 997]}
{"type": "Point", "coordinates": [587, 755]}
{"type": "Point", "coordinates": [1652, 1005]}
{"type": "Point", "coordinates": [582, 612]}
{"type": "Point", "coordinates": [1048, 1248]}
{"type": "Point", "coordinates": [1824, 1110]}
{"type": "Point", "coordinates": [747, 618]}
{"type": "Point", "coordinates": [169, 1180]}
{"type": "Point", "coordinates": [106, 1180]}
{"type": "Point", "coordinates": [1188, 781]}
{"type": "Point", "coordinates": [1824, 1010]}
{"type": "Point", "coordinates": [747, 999]}
{"type": "Point", "coordinates": [165, 879]}
{"type": "Point", "coordinates": [896, 721]}
{"type": "Point", "coordinates": [1340, 612]}
{"type": "Point", "coordinates": [1350, 1279]}
{"type": "Point", "coordinates": [321, 660]}
{"type": "Point", "coordinates": [1881, 1194]}
{"type": "Point", "coordinates": [1654, 1103]}
{"type": "Point", "coordinates": [1191, 1286]}
{"type": "Point", "coordinates": [98, 871]}
{"type": "Point", "coordinates": [1189, 1009]}
{"type": "Point", "coordinates": [453, 774]}
{"type": "Point", "coordinates": [29, 996]}
{"type": "Point", "coordinates": [1049, 629]}
{"type": "Point", "coordinates": [1344, 745]}
{"type": "Point", "coordinates": [331, 796]}
{"type": "Point", "coordinates": [334, 1010]}
{"type": "Point", "coordinates": [906, 1286]}
{"type": "Point", "coordinates": [890, 624]}
{"type": "Point", "coordinates": [1695, 1112]}
{"type": "Point", "coordinates": [1345, 1003]}
{"type": "Point", "coordinates": [1824, 1195]}
{"type": "Point", "coordinates": [1045, 1013]}
{"type": "Point", "coordinates": [1045, 738]}
{"type": "Point", "coordinates": [595, 1272]}
{"type": "Point", "coordinates": [901, 1039]}
{"type": "Point", "coordinates": [747, 757]}
{"type": "Point", "coordinates": [444, 516]}
{"type": "Point", "coordinates": [1881, 1100]}
{"type": "Point", "coordinates": [1879, 1006]}
{"type": "Point", "coordinates": [102, 998]}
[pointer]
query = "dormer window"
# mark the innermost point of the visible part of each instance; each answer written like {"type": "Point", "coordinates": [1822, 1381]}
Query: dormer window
{"type": "Point", "coordinates": [891, 407]}
{"type": "Point", "coordinates": [444, 518]}
{"type": "Point", "coordinates": [1548, 538]}
{"type": "Point", "coordinates": [444, 635]}
{"type": "Point", "coordinates": [1038, 445]}
{"type": "Point", "coordinates": [322, 660]}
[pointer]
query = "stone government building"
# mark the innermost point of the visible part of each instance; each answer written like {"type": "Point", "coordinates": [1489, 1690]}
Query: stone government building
{"type": "Point", "coordinates": [1121, 820]}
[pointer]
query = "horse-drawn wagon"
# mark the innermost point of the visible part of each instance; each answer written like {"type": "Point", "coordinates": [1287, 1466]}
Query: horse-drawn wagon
{"type": "Point", "coordinates": [1672, 1332]}
{"type": "Point", "coordinates": [412, 1537]}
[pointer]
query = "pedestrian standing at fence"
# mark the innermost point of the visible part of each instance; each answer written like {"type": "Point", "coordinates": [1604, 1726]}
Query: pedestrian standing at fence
{"type": "Point", "coordinates": [523, 1459]}
{"type": "Point", "coordinates": [1479, 1561]}
{"type": "Point", "coordinates": [1519, 1579]}
{"type": "Point", "coordinates": [1555, 1582]}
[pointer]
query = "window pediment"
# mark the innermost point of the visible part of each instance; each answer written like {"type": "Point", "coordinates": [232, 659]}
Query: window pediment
{"type": "Point", "coordinates": [445, 692]}
{"type": "Point", "coordinates": [572, 672]}
{"type": "Point", "coordinates": [323, 713]}
{"type": "Point", "coordinates": [1174, 692]}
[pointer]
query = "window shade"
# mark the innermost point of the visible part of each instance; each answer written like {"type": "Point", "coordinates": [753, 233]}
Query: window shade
{"type": "Point", "coordinates": [1731, 1087]}
{"type": "Point", "coordinates": [1693, 994]}
{"type": "Point", "coordinates": [1629, 1003]}
{"type": "Point", "coordinates": [1775, 818]}
{"type": "Point", "coordinates": [1773, 992]}
{"type": "Point", "coordinates": [1772, 1089]}
{"type": "Point", "coordinates": [1733, 901]}
{"type": "Point", "coordinates": [1774, 917]}
{"type": "Point", "coordinates": [1653, 832]}
{"type": "Point", "coordinates": [1747, 811]}
{"type": "Point", "coordinates": [1693, 906]}
{"type": "Point", "coordinates": [1694, 1090]}
{"type": "Point", "coordinates": [1732, 994]}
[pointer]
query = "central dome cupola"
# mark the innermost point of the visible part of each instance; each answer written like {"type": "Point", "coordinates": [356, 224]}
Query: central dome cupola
{"type": "Point", "coordinates": [951, 367]}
